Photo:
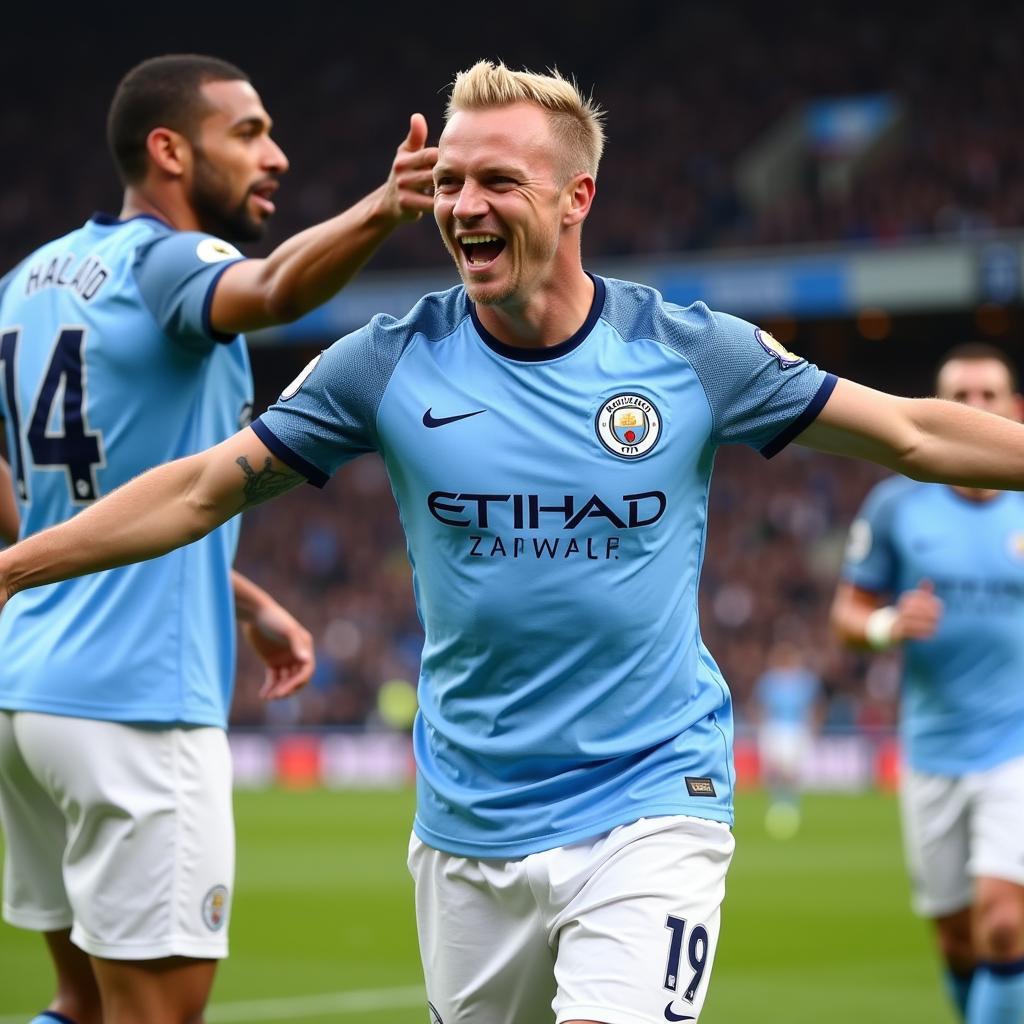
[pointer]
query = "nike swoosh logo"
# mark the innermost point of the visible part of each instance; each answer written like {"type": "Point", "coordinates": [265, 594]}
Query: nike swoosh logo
{"type": "Point", "coordinates": [430, 421]}
{"type": "Point", "coordinates": [670, 1014]}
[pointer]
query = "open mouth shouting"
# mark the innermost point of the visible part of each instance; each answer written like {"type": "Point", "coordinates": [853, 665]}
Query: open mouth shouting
{"type": "Point", "coordinates": [262, 192]}
{"type": "Point", "coordinates": [481, 250]}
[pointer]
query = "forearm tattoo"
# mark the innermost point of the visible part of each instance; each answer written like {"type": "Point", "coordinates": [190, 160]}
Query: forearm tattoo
{"type": "Point", "coordinates": [265, 484]}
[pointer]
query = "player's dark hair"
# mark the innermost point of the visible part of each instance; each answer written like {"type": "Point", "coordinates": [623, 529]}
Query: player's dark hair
{"type": "Point", "coordinates": [976, 351]}
{"type": "Point", "coordinates": [162, 92]}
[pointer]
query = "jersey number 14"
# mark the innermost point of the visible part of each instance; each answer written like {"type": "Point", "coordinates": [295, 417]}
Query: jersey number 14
{"type": "Point", "coordinates": [73, 447]}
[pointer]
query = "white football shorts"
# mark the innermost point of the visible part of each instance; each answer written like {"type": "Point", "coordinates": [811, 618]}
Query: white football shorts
{"type": "Point", "coordinates": [122, 833]}
{"type": "Point", "coordinates": [956, 830]}
{"type": "Point", "coordinates": [621, 928]}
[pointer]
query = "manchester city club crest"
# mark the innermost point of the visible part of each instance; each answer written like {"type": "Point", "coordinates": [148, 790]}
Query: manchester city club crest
{"type": "Point", "coordinates": [628, 425]}
{"type": "Point", "coordinates": [215, 906]}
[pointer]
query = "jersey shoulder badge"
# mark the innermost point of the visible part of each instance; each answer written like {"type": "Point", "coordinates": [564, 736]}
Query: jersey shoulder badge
{"type": "Point", "coordinates": [775, 348]}
{"type": "Point", "coordinates": [293, 389]}
{"type": "Point", "coordinates": [215, 250]}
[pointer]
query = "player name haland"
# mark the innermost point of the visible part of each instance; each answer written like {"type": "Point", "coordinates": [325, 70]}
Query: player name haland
{"type": "Point", "coordinates": [476, 511]}
{"type": "Point", "coordinates": [84, 277]}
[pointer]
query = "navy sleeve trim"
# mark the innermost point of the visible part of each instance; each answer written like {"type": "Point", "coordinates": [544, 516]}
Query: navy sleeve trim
{"type": "Point", "coordinates": [804, 420]}
{"type": "Point", "coordinates": [208, 328]}
{"type": "Point", "coordinates": [316, 477]}
{"type": "Point", "coordinates": [1004, 970]}
{"type": "Point", "coordinates": [848, 574]}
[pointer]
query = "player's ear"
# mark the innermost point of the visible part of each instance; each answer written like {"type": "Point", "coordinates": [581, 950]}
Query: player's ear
{"type": "Point", "coordinates": [579, 192]}
{"type": "Point", "coordinates": [169, 151]}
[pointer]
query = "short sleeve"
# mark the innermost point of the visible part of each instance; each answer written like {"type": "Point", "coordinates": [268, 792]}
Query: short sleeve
{"type": "Point", "coordinates": [760, 394]}
{"type": "Point", "coordinates": [176, 275]}
{"type": "Point", "coordinates": [870, 560]}
{"type": "Point", "coordinates": [327, 415]}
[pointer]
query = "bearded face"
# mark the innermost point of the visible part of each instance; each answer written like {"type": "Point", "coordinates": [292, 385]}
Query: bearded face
{"type": "Point", "coordinates": [224, 208]}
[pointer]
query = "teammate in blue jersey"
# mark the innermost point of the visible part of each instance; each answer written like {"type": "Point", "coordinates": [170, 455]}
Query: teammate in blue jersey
{"type": "Point", "coordinates": [785, 705]}
{"type": "Point", "coordinates": [549, 437]}
{"type": "Point", "coordinates": [939, 572]}
{"type": "Point", "coordinates": [119, 350]}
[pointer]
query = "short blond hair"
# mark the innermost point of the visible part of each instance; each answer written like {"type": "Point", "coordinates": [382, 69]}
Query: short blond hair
{"type": "Point", "coordinates": [577, 122]}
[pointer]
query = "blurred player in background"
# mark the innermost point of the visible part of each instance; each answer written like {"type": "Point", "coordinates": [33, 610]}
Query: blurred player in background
{"type": "Point", "coordinates": [786, 707]}
{"type": "Point", "coordinates": [120, 349]}
{"type": "Point", "coordinates": [549, 437]}
{"type": "Point", "coordinates": [939, 571]}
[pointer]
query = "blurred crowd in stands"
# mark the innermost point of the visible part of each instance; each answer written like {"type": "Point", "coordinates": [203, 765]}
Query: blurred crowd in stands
{"type": "Point", "coordinates": [688, 88]}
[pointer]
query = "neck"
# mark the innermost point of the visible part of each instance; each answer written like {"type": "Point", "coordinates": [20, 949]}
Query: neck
{"type": "Point", "coordinates": [976, 493]}
{"type": "Point", "coordinates": [549, 316]}
{"type": "Point", "coordinates": [170, 208]}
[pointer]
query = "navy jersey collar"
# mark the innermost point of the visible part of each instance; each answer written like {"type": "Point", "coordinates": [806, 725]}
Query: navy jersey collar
{"type": "Point", "coordinates": [543, 355]}
{"type": "Point", "coordinates": [109, 220]}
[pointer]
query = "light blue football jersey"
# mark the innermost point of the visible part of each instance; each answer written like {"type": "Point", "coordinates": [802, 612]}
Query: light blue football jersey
{"type": "Point", "coordinates": [963, 689]}
{"type": "Point", "coordinates": [555, 503]}
{"type": "Point", "coordinates": [787, 696]}
{"type": "Point", "coordinates": [109, 366]}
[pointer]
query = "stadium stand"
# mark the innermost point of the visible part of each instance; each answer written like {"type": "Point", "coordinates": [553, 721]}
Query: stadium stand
{"type": "Point", "coordinates": [686, 99]}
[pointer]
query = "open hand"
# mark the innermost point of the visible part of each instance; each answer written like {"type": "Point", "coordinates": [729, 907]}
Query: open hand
{"type": "Point", "coordinates": [285, 646]}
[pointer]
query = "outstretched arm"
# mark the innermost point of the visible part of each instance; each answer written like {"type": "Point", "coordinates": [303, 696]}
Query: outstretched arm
{"type": "Point", "coordinates": [307, 269]}
{"type": "Point", "coordinates": [163, 509]}
{"type": "Point", "coordinates": [923, 438]}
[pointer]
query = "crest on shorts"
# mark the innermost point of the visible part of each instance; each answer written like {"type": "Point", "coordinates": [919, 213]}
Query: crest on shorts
{"type": "Point", "coordinates": [215, 908]}
{"type": "Point", "coordinates": [777, 349]}
{"type": "Point", "coordinates": [628, 425]}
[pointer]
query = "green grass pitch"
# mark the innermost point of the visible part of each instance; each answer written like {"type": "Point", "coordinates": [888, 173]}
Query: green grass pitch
{"type": "Point", "coordinates": [815, 929]}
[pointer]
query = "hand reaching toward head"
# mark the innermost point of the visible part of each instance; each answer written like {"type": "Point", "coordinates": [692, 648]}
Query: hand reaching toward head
{"type": "Point", "coordinates": [409, 190]}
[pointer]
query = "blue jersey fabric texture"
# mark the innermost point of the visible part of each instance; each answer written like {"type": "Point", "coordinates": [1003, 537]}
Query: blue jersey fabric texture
{"type": "Point", "coordinates": [110, 366]}
{"type": "Point", "coordinates": [554, 502]}
{"type": "Point", "coordinates": [787, 696]}
{"type": "Point", "coordinates": [963, 689]}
